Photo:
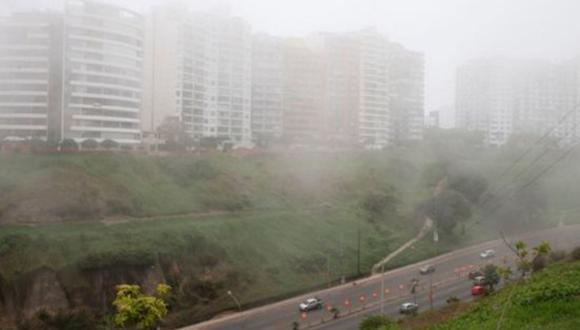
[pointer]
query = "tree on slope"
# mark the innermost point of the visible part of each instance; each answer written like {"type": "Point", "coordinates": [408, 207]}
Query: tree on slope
{"type": "Point", "coordinates": [135, 309]}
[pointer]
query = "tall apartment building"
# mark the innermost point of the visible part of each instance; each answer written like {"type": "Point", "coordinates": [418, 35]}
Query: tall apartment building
{"type": "Point", "coordinates": [305, 88]}
{"type": "Point", "coordinates": [74, 75]}
{"type": "Point", "coordinates": [407, 89]}
{"type": "Point", "coordinates": [372, 91]}
{"type": "Point", "coordinates": [199, 70]}
{"type": "Point", "coordinates": [30, 75]}
{"type": "Point", "coordinates": [302, 79]}
{"type": "Point", "coordinates": [103, 72]}
{"type": "Point", "coordinates": [267, 86]}
{"type": "Point", "coordinates": [374, 118]}
{"type": "Point", "coordinates": [343, 89]}
{"type": "Point", "coordinates": [340, 87]}
{"type": "Point", "coordinates": [502, 98]}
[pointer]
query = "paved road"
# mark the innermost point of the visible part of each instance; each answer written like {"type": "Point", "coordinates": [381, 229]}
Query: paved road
{"type": "Point", "coordinates": [356, 300]}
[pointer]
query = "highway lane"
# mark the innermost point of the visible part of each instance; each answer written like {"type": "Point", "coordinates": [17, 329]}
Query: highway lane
{"type": "Point", "coordinates": [460, 290]}
{"type": "Point", "coordinates": [366, 292]}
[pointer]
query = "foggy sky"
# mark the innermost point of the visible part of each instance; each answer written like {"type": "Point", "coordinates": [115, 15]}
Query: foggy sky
{"type": "Point", "coordinates": [449, 32]}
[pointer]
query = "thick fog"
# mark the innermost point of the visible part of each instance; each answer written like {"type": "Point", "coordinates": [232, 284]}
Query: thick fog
{"type": "Point", "coordinates": [449, 32]}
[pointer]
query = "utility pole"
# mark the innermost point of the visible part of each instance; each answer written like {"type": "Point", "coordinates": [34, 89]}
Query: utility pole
{"type": "Point", "coordinates": [383, 288]}
{"type": "Point", "coordinates": [328, 277]}
{"type": "Point", "coordinates": [342, 279]}
{"type": "Point", "coordinates": [414, 284]}
{"type": "Point", "coordinates": [358, 253]}
{"type": "Point", "coordinates": [431, 290]}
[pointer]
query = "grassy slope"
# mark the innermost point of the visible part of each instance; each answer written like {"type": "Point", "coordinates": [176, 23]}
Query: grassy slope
{"type": "Point", "coordinates": [287, 240]}
{"type": "Point", "coordinates": [298, 219]}
{"type": "Point", "coordinates": [550, 300]}
{"type": "Point", "coordinates": [150, 186]}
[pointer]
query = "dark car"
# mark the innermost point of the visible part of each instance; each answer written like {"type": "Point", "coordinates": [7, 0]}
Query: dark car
{"type": "Point", "coordinates": [474, 273]}
{"type": "Point", "coordinates": [311, 304]}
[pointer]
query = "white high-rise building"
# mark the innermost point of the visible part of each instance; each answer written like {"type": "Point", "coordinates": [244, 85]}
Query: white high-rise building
{"type": "Point", "coordinates": [374, 119]}
{"type": "Point", "coordinates": [503, 98]}
{"type": "Point", "coordinates": [341, 89]}
{"type": "Point", "coordinates": [72, 75]}
{"type": "Point", "coordinates": [199, 69]}
{"type": "Point", "coordinates": [267, 86]}
{"type": "Point", "coordinates": [407, 100]}
{"type": "Point", "coordinates": [104, 72]}
{"type": "Point", "coordinates": [30, 69]}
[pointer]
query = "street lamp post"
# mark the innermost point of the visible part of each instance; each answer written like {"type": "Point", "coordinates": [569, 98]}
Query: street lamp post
{"type": "Point", "coordinates": [235, 300]}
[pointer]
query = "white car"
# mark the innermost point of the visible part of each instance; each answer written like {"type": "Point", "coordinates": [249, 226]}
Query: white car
{"type": "Point", "coordinates": [311, 304]}
{"type": "Point", "coordinates": [409, 308]}
{"type": "Point", "coordinates": [487, 254]}
{"type": "Point", "coordinates": [428, 269]}
{"type": "Point", "coordinates": [479, 280]}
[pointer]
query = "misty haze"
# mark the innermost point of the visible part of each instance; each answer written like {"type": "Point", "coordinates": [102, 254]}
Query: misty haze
{"type": "Point", "coordinates": [253, 164]}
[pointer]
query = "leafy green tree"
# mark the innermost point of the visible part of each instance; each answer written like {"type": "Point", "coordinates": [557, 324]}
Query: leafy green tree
{"type": "Point", "coordinates": [470, 185]}
{"type": "Point", "coordinates": [540, 259]}
{"type": "Point", "coordinates": [377, 203]}
{"type": "Point", "coordinates": [377, 322]}
{"type": "Point", "coordinates": [542, 249]}
{"type": "Point", "coordinates": [175, 134]}
{"type": "Point", "coordinates": [524, 264]}
{"type": "Point", "coordinates": [505, 272]}
{"type": "Point", "coordinates": [491, 275]}
{"type": "Point", "coordinates": [134, 309]}
{"type": "Point", "coordinates": [447, 210]}
{"type": "Point", "coordinates": [109, 144]}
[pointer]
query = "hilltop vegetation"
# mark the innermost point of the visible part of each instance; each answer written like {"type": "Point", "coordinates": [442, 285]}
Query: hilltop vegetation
{"type": "Point", "coordinates": [91, 186]}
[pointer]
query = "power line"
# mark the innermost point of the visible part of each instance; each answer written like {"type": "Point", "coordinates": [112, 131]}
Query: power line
{"type": "Point", "coordinates": [489, 196]}
{"type": "Point", "coordinates": [535, 179]}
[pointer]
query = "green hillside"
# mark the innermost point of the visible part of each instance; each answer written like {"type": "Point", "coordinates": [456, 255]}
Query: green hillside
{"type": "Point", "coordinates": [264, 226]}
{"type": "Point", "coordinates": [550, 300]}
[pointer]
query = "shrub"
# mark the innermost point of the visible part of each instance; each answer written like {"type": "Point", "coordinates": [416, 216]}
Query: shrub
{"type": "Point", "coordinates": [80, 320]}
{"type": "Point", "coordinates": [90, 144]}
{"type": "Point", "coordinates": [557, 255]}
{"type": "Point", "coordinates": [548, 292]}
{"type": "Point", "coordinates": [376, 322]}
{"type": "Point", "coordinates": [69, 145]}
{"type": "Point", "coordinates": [37, 145]}
{"type": "Point", "coordinates": [539, 263]}
{"type": "Point", "coordinates": [117, 259]}
{"type": "Point", "coordinates": [109, 144]}
{"type": "Point", "coordinates": [576, 253]}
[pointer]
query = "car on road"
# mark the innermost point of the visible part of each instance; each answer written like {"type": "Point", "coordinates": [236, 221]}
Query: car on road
{"type": "Point", "coordinates": [311, 304]}
{"type": "Point", "coordinates": [487, 254]}
{"type": "Point", "coordinates": [427, 269]}
{"type": "Point", "coordinates": [474, 273]}
{"type": "Point", "coordinates": [479, 280]}
{"type": "Point", "coordinates": [408, 308]}
{"type": "Point", "coordinates": [478, 290]}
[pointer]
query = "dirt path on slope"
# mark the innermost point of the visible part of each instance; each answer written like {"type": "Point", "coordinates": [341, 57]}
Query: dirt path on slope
{"type": "Point", "coordinates": [428, 226]}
